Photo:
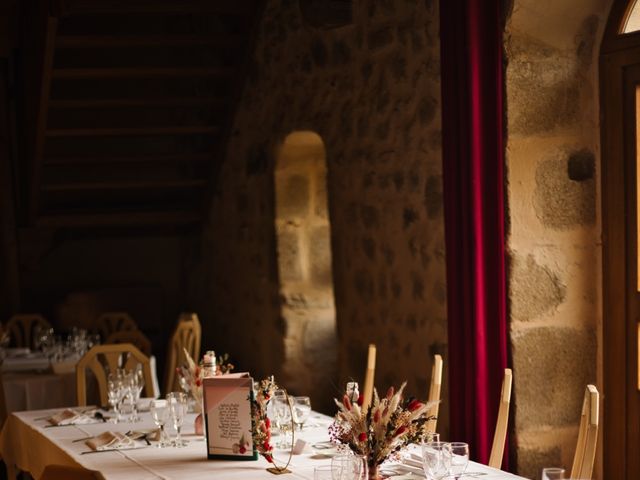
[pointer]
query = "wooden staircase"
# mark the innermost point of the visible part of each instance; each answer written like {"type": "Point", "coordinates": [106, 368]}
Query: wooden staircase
{"type": "Point", "coordinates": [129, 105]}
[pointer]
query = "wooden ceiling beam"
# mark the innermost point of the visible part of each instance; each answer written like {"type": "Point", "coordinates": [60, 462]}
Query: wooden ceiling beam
{"type": "Point", "coordinates": [127, 41]}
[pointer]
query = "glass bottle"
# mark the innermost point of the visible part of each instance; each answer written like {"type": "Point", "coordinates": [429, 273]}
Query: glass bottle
{"type": "Point", "coordinates": [209, 364]}
{"type": "Point", "coordinates": [353, 392]}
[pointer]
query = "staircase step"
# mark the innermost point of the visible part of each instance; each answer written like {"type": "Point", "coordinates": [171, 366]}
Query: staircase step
{"type": "Point", "coordinates": [141, 132]}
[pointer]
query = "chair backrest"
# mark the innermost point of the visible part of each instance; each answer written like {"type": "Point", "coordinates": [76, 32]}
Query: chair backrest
{"type": "Point", "coordinates": [67, 472]}
{"type": "Point", "coordinates": [102, 359]}
{"type": "Point", "coordinates": [502, 424]}
{"type": "Point", "coordinates": [187, 335]}
{"type": "Point", "coordinates": [587, 435]}
{"type": "Point", "coordinates": [110, 322]}
{"type": "Point", "coordinates": [369, 376]}
{"type": "Point", "coordinates": [134, 337]}
{"type": "Point", "coordinates": [21, 328]}
{"type": "Point", "coordinates": [434, 391]}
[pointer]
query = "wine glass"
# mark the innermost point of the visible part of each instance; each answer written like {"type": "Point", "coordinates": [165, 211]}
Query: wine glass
{"type": "Point", "coordinates": [160, 412]}
{"type": "Point", "coordinates": [349, 467]}
{"type": "Point", "coordinates": [136, 384]}
{"type": "Point", "coordinates": [282, 409]}
{"type": "Point", "coordinates": [177, 409]}
{"type": "Point", "coordinates": [552, 473]}
{"type": "Point", "coordinates": [114, 388]}
{"type": "Point", "coordinates": [458, 458]}
{"type": "Point", "coordinates": [301, 410]}
{"type": "Point", "coordinates": [436, 460]}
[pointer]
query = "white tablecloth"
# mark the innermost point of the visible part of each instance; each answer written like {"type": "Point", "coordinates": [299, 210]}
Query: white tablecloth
{"type": "Point", "coordinates": [27, 444]}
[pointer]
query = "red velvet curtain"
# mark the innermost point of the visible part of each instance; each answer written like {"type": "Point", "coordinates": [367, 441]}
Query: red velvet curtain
{"type": "Point", "coordinates": [473, 181]}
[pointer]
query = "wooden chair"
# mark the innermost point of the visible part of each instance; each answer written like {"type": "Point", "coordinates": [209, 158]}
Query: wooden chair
{"type": "Point", "coordinates": [434, 391]}
{"type": "Point", "coordinates": [67, 472]}
{"type": "Point", "coordinates": [111, 357]}
{"type": "Point", "coordinates": [502, 424]}
{"type": "Point", "coordinates": [21, 328]}
{"type": "Point", "coordinates": [110, 322]}
{"type": "Point", "coordinates": [134, 337]}
{"type": "Point", "coordinates": [367, 393]}
{"type": "Point", "coordinates": [187, 335]}
{"type": "Point", "coordinates": [587, 435]}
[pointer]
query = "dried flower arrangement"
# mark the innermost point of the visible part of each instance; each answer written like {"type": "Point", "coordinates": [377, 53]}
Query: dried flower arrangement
{"type": "Point", "coordinates": [381, 431]}
{"type": "Point", "coordinates": [192, 374]}
{"type": "Point", "coordinates": [261, 423]}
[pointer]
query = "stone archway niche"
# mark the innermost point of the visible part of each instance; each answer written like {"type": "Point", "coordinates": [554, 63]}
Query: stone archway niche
{"type": "Point", "coordinates": [303, 233]}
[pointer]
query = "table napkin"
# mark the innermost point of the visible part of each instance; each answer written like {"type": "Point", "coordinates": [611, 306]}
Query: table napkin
{"type": "Point", "coordinates": [70, 417]}
{"type": "Point", "coordinates": [110, 441]}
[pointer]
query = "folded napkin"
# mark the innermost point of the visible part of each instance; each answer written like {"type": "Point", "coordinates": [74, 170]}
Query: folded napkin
{"type": "Point", "coordinates": [110, 441]}
{"type": "Point", "coordinates": [70, 417]}
{"type": "Point", "coordinates": [153, 434]}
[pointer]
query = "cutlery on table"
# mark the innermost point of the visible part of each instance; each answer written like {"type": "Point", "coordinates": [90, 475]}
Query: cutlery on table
{"type": "Point", "coordinates": [111, 450]}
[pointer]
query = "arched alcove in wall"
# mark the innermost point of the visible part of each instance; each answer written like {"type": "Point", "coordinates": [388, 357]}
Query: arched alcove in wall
{"type": "Point", "coordinates": [303, 232]}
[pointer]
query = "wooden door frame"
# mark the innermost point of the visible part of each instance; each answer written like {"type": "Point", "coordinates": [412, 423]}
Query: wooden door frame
{"type": "Point", "coordinates": [619, 54]}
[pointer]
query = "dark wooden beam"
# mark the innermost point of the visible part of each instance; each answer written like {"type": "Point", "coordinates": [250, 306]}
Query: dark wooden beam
{"type": "Point", "coordinates": [151, 185]}
{"type": "Point", "coordinates": [136, 132]}
{"type": "Point", "coordinates": [131, 159]}
{"type": "Point", "coordinates": [119, 219]}
{"type": "Point", "coordinates": [157, 6]}
{"type": "Point", "coordinates": [150, 72]}
{"type": "Point", "coordinates": [127, 41]}
{"type": "Point", "coordinates": [137, 102]}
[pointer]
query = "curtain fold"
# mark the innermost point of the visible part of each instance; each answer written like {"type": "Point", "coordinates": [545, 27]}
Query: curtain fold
{"type": "Point", "coordinates": [471, 35]}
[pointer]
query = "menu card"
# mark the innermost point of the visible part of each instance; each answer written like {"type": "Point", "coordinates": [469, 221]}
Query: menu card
{"type": "Point", "coordinates": [227, 416]}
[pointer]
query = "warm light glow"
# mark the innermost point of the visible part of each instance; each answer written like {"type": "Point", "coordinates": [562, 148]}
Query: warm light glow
{"type": "Point", "coordinates": [631, 22]}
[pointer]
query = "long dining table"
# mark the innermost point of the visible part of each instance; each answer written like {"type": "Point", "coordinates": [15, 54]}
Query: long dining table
{"type": "Point", "coordinates": [28, 443]}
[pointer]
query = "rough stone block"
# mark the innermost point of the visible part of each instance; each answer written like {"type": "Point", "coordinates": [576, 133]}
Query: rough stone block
{"type": "Point", "coordinates": [293, 196]}
{"type": "Point", "coordinates": [531, 461]}
{"type": "Point", "coordinates": [559, 201]}
{"type": "Point", "coordinates": [320, 206]}
{"type": "Point", "coordinates": [320, 256]}
{"type": "Point", "coordinates": [552, 366]}
{"type": "Point", "coordinates": [289, 259]}
{"type": "Point", "coordinates": [534, 289]}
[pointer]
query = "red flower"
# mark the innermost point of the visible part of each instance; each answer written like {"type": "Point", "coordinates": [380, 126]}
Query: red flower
{"type": "Point", "coordinates": [360, 399]}
{"type": "Point", "coordinates": [346, 402]}
{"type": "Point", "coordinates": [243, 449]}
{"type": "Point", "coordinates": [414, 405]}
{"type": "Point", "coordinates": [267, 422]}
{"type": "Point", "coordinates": [269, 458]}
{"type": "Point", "coordinates": [376, 416]}
{"type": "Point", "coordinates": [266, 446]}
{"type": "Point", "coordinates": [362, 437]}
{"type": "Point", "coordinates": [198, 382]}
{"type": "Point", "coordinates": [197, 372]}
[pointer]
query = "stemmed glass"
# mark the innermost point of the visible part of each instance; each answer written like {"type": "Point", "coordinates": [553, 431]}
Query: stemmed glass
{"type": "Point", "coordinates": [459, 458]}
{"type": "Point", "coordinates": [436, 460]}
{"type": "Point", "coordinates": [160, 413]}
{"type": "Point", "coordinates": [282, 410]}
{"type": "Point", "coordinates": [349, 467]}
{"type": "Point", "coordinates": [177, 409]}
{"type": "Point", "coordinates": [301, 410]}
{"type": "Point", "coordinates": [552, 473]}
{"type": "Point", "coordinates": [136, 384]}
{"type": "Point", "coordinates": [114, 394]}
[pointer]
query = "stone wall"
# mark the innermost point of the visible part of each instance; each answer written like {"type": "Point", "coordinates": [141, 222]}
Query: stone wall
{"type": "Point", "coordinates": [554, 236]}
{"type": "Point", "coordinates": [371, 90]}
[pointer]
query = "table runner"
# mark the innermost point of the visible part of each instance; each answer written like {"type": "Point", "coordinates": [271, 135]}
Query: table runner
{"type": "Point", "coordinates": [27, 444]}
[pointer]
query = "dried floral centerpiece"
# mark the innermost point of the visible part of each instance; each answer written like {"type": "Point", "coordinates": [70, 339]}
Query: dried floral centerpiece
{"type": "Point", "coordinates": [390, 424]}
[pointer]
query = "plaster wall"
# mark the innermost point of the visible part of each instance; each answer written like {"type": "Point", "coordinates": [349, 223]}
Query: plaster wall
{"type": "Point", "coordinates": [553, 162]}
{"type": "Point", "coordinates": [371, 90]}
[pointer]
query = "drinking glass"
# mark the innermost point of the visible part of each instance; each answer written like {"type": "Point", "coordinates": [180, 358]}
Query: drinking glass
{"type": "Point", "coordinates": [113, 395]}
{"type": "Point", "coordinates": [136, 384]}
{"type": "Point", "coordinates": [301, 410]}
{"type": "Point", "coordinates": [322, 473]}
{"type": "Point", "coordinates": [349, 467]}
{"type": "Point", "coordinates": [458, 458]}
{"type": "Point", "coordinates": [282, 409]}
{"type": "Point", "coordinates": [177, 409]}
{"type": "Point", "coordinates": [436, 460]}
{"type": "Point", "coordinates": [553, 473]}
{"type": "Point", "coordinates": [160, 412]}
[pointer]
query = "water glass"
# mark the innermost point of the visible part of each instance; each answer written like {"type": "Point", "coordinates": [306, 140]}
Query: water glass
{"type": "Point", "coordinates": [282, 408]}
{"type": "Point", "coordinates": [459, 458]}
{"type": "Point", "coordinates": [436, 460]}
{"type": "Point", "coordinates": [177, 410]}
{"type": "Point", "coordinates": [553, 473]}
{"type": "Point", "coordinates": [160, 413]}
{"type": "Point", "coordinates": [114, 388]}
{"type": "Point", "coordinates": [322, 473]}
{"type": "Point", "coordinates": [136, 384]}
{"type": "Point", "coordinates": [301, 410]}
{"type": "Point", "coordinates": [349, 467]}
